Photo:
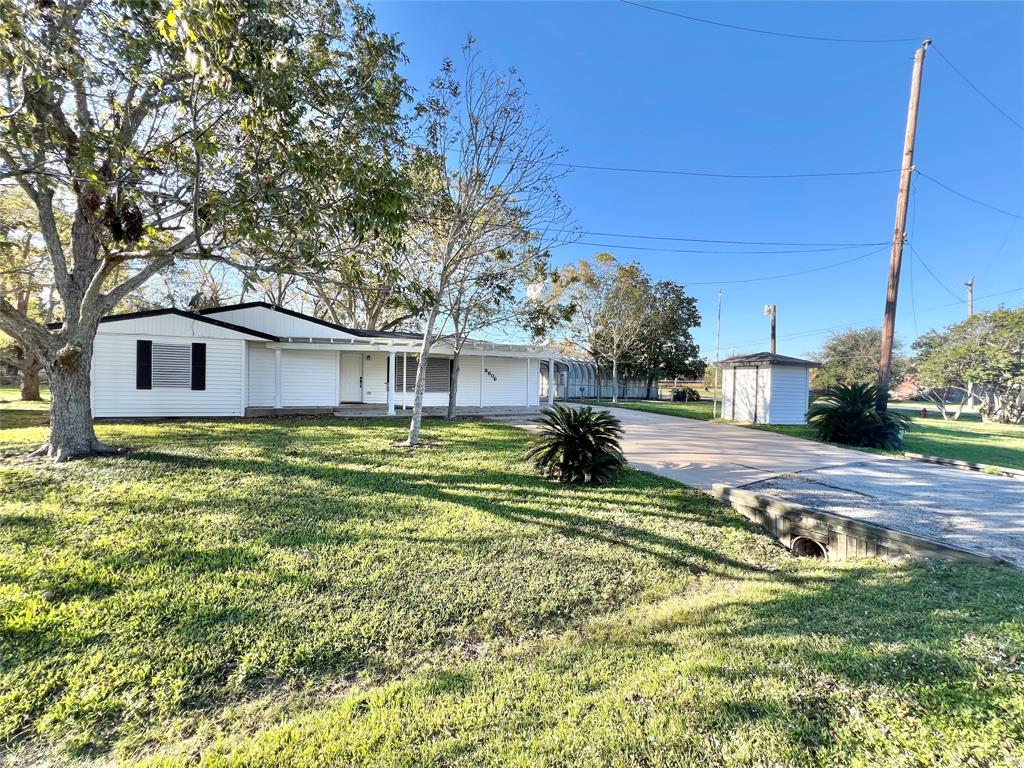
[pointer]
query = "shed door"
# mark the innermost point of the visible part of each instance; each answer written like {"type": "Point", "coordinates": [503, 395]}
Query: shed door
{"type": "Point", "coordinates": [351, 389]}
{"type": "Point", "coordinates": [745, 393]}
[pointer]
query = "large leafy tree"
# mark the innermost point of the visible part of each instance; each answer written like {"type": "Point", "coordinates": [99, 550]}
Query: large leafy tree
{"type": "Point", "coordinates": [985, 351]}
{"type": "Point", "coordinates": [180, 129]}
{"type": "Point", "coordinates": [666, 348]}
{"type": "Point", "coordinates": [851, 357]}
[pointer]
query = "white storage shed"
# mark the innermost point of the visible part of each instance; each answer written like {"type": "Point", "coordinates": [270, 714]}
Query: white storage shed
{"type": "Point", "coordinates": [765, 388]}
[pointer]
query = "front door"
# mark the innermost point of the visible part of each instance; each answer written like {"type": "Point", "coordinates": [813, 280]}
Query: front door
{"type": "Point", "coordinates": [351, 389]}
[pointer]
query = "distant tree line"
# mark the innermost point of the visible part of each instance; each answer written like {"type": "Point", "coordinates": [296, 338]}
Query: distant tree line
{"type": "Point", "coordinates": [977, 361]}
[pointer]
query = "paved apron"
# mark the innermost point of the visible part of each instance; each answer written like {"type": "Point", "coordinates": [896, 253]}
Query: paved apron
{"type": "Point", "coordinates": [970, 509]}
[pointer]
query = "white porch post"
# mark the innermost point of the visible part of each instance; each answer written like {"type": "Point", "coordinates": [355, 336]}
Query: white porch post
{"type": "Point", "coordinates": [277, 378]}
{"type": "Point", "coordinates": [391, 383]}
{"type": "Point", "coordinates": [527, 382]}
{"type": "Point", "coordinates": [482, 361]}
{"type": "Point", "coordinates": [551, 381]}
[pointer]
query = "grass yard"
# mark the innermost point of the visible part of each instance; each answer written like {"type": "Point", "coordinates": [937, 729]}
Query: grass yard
{"type": "Point", "coordinates": [699, 409]}
{"type": "Point", "coordinates": [968, 439]}
{"type": "Point", "coordinates": [300, 592]}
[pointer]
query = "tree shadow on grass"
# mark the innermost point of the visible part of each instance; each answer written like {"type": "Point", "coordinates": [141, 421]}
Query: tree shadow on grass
{"type": "Point", "coordinates": [826, 668]}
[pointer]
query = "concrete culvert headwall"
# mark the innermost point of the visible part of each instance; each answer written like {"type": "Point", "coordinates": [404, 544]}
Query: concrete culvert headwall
{"type": "Point", "coordinates": [805, 547]}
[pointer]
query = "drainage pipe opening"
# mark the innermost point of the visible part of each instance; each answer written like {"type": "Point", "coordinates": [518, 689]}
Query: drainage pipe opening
{"type": "Point", "coordinates": [804, 547]}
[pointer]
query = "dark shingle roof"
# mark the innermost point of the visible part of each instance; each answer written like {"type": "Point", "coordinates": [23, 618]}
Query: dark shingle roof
{"type": "Point", "coordinates": [765, 358]}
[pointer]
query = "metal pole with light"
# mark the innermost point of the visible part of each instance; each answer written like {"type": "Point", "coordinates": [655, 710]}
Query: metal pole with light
{"type": "Point", "coordinates": [718, 338]}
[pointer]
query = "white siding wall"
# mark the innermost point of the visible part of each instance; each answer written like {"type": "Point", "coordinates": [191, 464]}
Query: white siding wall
{"type": "Point", "coordinates": [309, 378]}
{"type": "Point", "coordinates": [742, 388]}
{"type": "Point", "coordinates": [261, 375]}
{"type": "Point", "coordinates": [789, 395]}
{"type": "Point", "coordinates": [168, 325]}
{"type": "Point", "coordinates": [763, 382]}
{"type": "Point", "coordinates": [113, 379]}
{"type": "Point", "coordinates": [508, 383]}
{"type": "Point", "coordinates": [727, 374]}
{"type": "Point", "coordinates": [534, 385]}
{"type": "Point", "coordinates": [277, 323]}
{"type": "Point", "coordinates": [375, 374]}
{"type": "Point", "coordinates": [469, 381]}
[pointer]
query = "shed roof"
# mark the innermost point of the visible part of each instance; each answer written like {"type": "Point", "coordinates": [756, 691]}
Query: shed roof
{"type": "Point", "coordinates": [765, 358]}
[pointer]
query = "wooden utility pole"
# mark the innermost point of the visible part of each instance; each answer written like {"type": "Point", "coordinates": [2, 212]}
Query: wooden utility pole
{"type": "Point", "coordinates": [899, 235]}
{"type": "Point", "coordinates": [970, 297]}
{"type": "Point", "coordinates": [770, 311]}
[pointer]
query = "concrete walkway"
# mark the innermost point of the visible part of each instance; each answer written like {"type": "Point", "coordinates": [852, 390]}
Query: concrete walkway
{"type": "Point", "coordinates": [973, 510]}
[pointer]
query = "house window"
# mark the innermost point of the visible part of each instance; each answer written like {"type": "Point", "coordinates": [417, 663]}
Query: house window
{"type": "Point", "coordinates": [170, 365]}
{"type": "Point", "coordinates": [439, 371]}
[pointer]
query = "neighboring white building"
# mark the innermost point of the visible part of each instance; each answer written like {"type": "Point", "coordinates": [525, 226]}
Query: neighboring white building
{"type": "Point", "coordinates": [764, 388]}
{"type": "Point", "coordinates": [230, 361]}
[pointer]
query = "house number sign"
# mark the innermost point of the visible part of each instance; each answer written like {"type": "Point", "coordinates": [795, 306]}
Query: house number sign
{"type": "Point", "coordinates": [490, 373]}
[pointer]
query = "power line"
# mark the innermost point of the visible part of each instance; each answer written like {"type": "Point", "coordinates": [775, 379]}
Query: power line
{"type": "Point", "coordinates": [723, 253]}
{"type": "Point", "coordinates": [857, 324]}
{"type": "Point", "coordinates": [976, 89]}
{"type": "Point", "coordinates": [721, 242]}
{"type": "Point", "coordinates": [967, 197]}
{"type": "Point", "coordinates": [924, 264]}
{"type": "Point", "coordinates": [699, 174]}
{"type": "Point", "coordinates": [708, 175]}
{"type": "Point", "coordinates": [768, 31]}
{"type": "Point", "coordinates": [791, 274]}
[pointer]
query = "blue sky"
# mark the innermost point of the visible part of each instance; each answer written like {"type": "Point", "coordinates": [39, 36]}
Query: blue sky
{"type": "Point", "coordinates": [627, 87]}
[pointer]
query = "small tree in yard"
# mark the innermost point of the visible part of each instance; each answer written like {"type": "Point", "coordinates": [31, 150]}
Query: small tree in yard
{"type": "Point", "coordinates": [181, 131]}
{"type": "Point", "coordinates": [986, 350]}
{"type": "Point", "coordinates": [613, 306]}
{"type": "Point", "coordinates": [485, 186]}
{"type": "Point", "coordinates": [486, 293]}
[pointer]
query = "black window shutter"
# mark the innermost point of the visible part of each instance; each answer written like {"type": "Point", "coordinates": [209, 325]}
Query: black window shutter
{"type": "Point", "coordinates": [143, 364]}
{"type": "Point", "coordinates": [198, 366]}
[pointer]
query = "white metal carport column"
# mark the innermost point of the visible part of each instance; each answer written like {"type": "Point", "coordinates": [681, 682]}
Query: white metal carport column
{"type": "Point", "coordinates": [391, 383]}
{"type": "Point", "coordinates": [277, 378]}
{"type": "Point", "coordinates": [551, 381]}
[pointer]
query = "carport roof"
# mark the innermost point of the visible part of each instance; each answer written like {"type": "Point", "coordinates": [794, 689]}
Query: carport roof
{"type": "Point", "coordinates": [765, 358]}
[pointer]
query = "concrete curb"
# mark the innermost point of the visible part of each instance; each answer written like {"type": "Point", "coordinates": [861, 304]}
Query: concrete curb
{"type": "Point", "coordinates": [840, 537]}
{"type": "Point", "coordinates": [925, 458]}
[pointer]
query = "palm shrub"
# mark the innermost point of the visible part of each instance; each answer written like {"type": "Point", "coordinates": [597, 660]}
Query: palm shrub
{"type": "Point", "coordinates": [848, 414]}
{"type": "Point", "coordinates": [578, 445]}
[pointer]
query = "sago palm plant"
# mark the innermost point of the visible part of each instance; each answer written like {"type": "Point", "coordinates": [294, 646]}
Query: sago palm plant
{"type": "Point", "coordinates": [848, 414]}
{"type": "Point", "coordinates": [578, 445]}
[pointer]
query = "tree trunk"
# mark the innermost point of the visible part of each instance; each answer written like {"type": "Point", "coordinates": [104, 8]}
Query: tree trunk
{"type": "Point", "coordinates": [71, 432]}
{"type": "Point", "coordinates": [421, 380]}
{"type": "Point", "coordinates": [453, 384]}
{"type": "Point", "coordinates": [615, 380]}
{"type": "Point", "coordinates": [30, 376]}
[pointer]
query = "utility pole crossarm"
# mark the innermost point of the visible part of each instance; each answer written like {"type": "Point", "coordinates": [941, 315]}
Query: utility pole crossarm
{"type": "Point", "coordinates": [900, 230]}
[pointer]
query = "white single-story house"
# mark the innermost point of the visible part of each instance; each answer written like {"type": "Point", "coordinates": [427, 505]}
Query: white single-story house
{"type": "Point", "coordinates": [246, 358]}
{"type": "Point", "coordinates": [765, 388]}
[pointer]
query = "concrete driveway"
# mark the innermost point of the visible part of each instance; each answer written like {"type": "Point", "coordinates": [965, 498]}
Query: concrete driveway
{"type": "Point", "coordinates": [973, 510]}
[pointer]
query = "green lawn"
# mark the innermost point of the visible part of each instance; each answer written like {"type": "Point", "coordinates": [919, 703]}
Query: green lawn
{"type": "Point", "coordinates": [15, 413]}
{"type": "Point", "coordinates": [968, 439]}
{"type": "Point", "coordinates": [700, 409]}
{"type": "Point", "coordinates": [302, 592]}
